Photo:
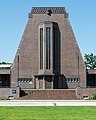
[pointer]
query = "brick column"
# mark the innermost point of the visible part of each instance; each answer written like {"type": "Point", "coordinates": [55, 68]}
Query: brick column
{"type": "Point", "coordinates": [43, 82]}
{"type": "Point", "coordinates": [52, 81]}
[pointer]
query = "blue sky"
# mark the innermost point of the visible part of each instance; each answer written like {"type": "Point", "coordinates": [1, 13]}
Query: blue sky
{"type": "Point", "coordinates": [14, 16]}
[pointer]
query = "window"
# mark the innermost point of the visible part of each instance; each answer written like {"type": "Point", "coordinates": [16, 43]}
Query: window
{"type": "Point", "coordinates": [27, 80]}
{"type": "Point", "coordinates": [72, 79]}
{"type": "Point", "coordinates": [55, 36]}
{"type": "Point", "coordinates": [41, 48]}
{"type": "Point", "coordinates": [48, 48]}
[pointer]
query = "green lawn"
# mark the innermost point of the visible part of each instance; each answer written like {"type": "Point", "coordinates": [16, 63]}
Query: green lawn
{"type": "Point", "coordinates": [47, 113]}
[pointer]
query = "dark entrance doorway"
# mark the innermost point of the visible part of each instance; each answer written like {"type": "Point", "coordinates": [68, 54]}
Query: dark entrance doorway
{"type": "Point", "coordinates": [4, 80]}
{"type": "Point", "coordinates": [91, 80]}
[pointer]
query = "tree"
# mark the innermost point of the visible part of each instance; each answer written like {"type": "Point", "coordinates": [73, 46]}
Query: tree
{"type": "Point", "coordinates": [90, 61]}
{"type": "Point", "coordinates": [4, 63]}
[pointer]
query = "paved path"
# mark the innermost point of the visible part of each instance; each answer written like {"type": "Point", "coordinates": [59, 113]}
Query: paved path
{"type": "Point", "coordinates": [47, 103]}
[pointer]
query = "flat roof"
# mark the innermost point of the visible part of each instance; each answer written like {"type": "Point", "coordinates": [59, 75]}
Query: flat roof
{"type": "Point", "coordinates": [54, 10]}
{"type": "Point", "coordinates": [5, 65]}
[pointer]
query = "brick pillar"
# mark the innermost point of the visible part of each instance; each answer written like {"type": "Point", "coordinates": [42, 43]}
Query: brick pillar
{"type": "Point", "coordinates": [43, 82]}
{"type": "Point", "coordinates": [37, 83]}
{"type": "Point", "coordinates": [52, 81]}
{"type": "Point", "coordinates": [79, 92]}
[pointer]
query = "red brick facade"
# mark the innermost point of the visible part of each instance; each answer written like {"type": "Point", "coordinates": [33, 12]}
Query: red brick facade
{"type": "Point", "coordinates": [68, 59]}
{"type": "Point", "coordinates": [49, 95]}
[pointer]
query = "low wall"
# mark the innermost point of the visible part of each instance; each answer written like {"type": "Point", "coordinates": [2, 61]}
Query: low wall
{"type": "Point", "coordinates": [57, 94]}
{"type": "Point", "coordinates": [9, 92]}
{"type": "Point", "coordinates": [81, 92]}
{"type": "Point", "coordinates": [88, 91]}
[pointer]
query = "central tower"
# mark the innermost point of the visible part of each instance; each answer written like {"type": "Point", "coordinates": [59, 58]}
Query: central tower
{"type": "Point", "coordinates": [48, 56]}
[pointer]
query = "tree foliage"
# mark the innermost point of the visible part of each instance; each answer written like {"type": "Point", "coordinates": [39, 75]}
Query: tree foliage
{"type": "Point", "coordinates": [4, 63]}
{"type": "Point", "coordinates": [90, 60]}
{"type": "Point", "coordinates": [94, 96]}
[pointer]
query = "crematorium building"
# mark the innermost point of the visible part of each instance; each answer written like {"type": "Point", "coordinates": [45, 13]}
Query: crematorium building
{"type": "Point", "coordinates": [48, 59]}
{"type": "Point", "coordinates": [48, 56]}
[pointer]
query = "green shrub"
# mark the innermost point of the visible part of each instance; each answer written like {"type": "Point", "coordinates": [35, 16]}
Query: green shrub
{"type": "Point", "coordinates": [94, 96]}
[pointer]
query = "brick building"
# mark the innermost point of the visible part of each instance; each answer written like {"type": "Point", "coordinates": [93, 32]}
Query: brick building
{"type": "Point", "coordinates": [48, 63]}
{"type": "Point", "coordinates": [5, 90]}
{"type": "Point", "coordinates": [5, 75]}
{"type": "Point", "coordinates": [48, 56]}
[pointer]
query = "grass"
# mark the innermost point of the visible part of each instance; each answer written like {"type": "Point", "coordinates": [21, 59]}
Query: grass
{"type": "Point", "coordinates": [48, 113]}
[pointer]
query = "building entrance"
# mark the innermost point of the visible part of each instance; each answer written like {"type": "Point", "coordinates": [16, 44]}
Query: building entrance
{"type": "Point", "coordinates": [91, 80]}
{"type": "Point", "coordinates": [4, 80]}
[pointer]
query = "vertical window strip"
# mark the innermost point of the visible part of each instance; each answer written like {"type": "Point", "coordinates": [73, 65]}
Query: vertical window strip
{"type": "Point", "coordinates": [54, 46]}
{"type": "Point", "coordinates": [41, 48]}
{"type": "Point", "coordinates": [48, 48]}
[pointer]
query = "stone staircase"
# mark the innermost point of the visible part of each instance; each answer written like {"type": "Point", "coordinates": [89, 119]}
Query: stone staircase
{"type": "Point", "coordinates": [57, 94]}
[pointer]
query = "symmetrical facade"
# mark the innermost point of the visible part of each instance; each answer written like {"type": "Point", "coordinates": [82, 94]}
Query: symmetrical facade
{"type": "Point", "coordinates": [48, 56]}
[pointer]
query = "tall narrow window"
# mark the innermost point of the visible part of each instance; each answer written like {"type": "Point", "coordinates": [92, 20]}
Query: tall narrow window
{"type": "Point", "coordinates": [55, 47]}
{"type": "Point", "coordinates": [41, 48]}
{"type": "Point", "coordinates": [48, 48]}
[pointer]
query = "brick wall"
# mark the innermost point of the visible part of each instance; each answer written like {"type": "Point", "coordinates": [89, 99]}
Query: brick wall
{"type": "Point", "coordinates": [81, 92]}
{"type": "Point", "coordinates": [88, 91]}
{"type": "Point", "coordinates": [48, 94]}
{"type": "Point", "coordinates": [57, 94]}
{"type": "Point", "coordinates": [9, 92]}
